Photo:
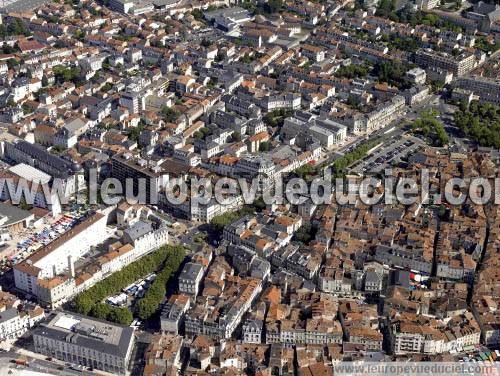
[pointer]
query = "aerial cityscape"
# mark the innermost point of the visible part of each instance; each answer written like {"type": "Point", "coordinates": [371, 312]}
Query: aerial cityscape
{"type": "Point", "coordinates": [249, 187]}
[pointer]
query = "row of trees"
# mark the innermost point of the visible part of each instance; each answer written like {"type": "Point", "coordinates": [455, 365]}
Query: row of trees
{"type": "Point", "coordinates": [480, 122]}
{"type": "Point", "coordinates": [387, 9]}
{"type": "Point", "coordinates": [308, 172]}
{"type": "Point", "coordinates": [431, 128]}
{"type": "Point", "coordinates": [220, 221]}
{"type": "Point", "coordinates": [90, 301]}
{"type": "Point", "coordinates": [149, 304]}
{"type": "Point", "coordinates": [104, 311]}
{"type": "Point", "coordinates": [340, 164]}
{"type": "Point", "coordinates": [407, 15]}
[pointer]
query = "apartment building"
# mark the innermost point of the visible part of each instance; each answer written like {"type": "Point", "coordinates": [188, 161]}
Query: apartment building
{"type": "Point", "coordinates": [172, 314]}
{"type": "Point", "coordinates": [145, 176]}
{"type": "Point", "coordinates": [25, 176]}
{"type": "Point", "coordinates": [70, 173]}
{"type": "Point", "coordinates": [333, 280]}
{"type": "Point", "coordinates": [14, 323]}
{"type": "Point", "coordinates": [252, 331]}
{"type": "Point", "coordinates": [134, 101]}
{"type": "Point", "coordinates": [55, 258]}
{"type": "Point", "coordinates": [221, 317]}
{"type": "Point", "coordinates": [163, 355]}
{"type": "Point", "coordinates": [385, 114]}
{"type": "Point", "coordinates": [419, 260]}
{"type": "Point", "coordinates": [424, 335]}
{"type": "Point", "coordinates": [458, 65]}
{"type": "Point", "coordinates": [122, 6]}
{"type": "Point", "coordinates": [487, 89]}
{"type": "Point", "coordinates": [190, 279]}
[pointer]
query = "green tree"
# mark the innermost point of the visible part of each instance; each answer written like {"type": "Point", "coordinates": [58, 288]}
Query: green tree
{"type": "Point", "coordinates": [274, 6]}
{"type": "Point", "coordinates": [154, 296]}
{"type": "Point", "coordinates": [79, 34]}
{"type": "Point", "coordinates": [11, 63]}
{"type": "Point", "coordinates": [169, 114]}
{"type": "Point", "coordinates": [480, 122]}
{"type": "Point", "coordinates": [259, 204]}
{"type": "Point", "coordinates": [276, 117]}
{"type": "Point", "coordinates": [197, 14]}
{"type": "Point", "coordinates": [220, 221]}
{"type": "Point", "coordinates": [305, 234]}
{"type": "Point", "coordinates": [352, 71]}
{"type": "Point", "coordinates": [101, 311]}
{"type": "Point", "coordinates": [392, 73]}
{"type": "Point", "coordinates": [120, 316]}
{"type": "Point", "coordinates": [264, 146]}
{"type": "Point", "coordinates": [153, 262]}
{"type": "Point", "coordinates": [236, 137]}
{"type": "Point", "coordinates": [431, 128]}
{"type": "Point", "coordinates": [134, 132]}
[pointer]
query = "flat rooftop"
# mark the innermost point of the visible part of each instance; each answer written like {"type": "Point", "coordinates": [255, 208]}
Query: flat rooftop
{"type": "Point", "coordinates": [103, 336]}
{"type": "Point", "coordinates": [30, 173]}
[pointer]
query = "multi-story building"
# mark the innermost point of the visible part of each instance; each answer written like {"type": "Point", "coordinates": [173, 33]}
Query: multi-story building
{"type": "Point", "coordinates": [145, 237]}
{"type": "Point", "coordinates": [252, 331]}
{"type": "Point", "coordinates": [368, 337]}
{"type": "Point", "coordinates": [458, 65]}
{"type": "Point", "coordinates": [427, 4]}
{"type": "Point", "coordinates": [134, 101]}
{"type": "Point", "coordinates": [32, 275]}
{"type": "Point", "coordinates": [274, 101]}
{"type": "Point", "coordinates": [190, 279]}
{"type": "Point", "coordinates": [385, 114]}
{"type": "Point", "coordinates": [224, 314]}
{"type": "Point", "coordinates": [38, 192]}
{"type": "Point", "coordinates": [172, 314]}
{"type": "Point", "coordinates": [315, 331]}
{"type": "Point", "coordinates": [122, 6]}
{"type": "Point", "coordinates": [163, 354]}
{"type": "Point", "coordinates": [69, 173]}
{"type": "Point", "coordinates": [54, 258]}
{"type": "Point", "coordinates": [416, 76]}
{"type": "Point", "coordinates": [332, 280]}
{"type": "Point", "coordinates": [487, 89]}
{"type": "Point", "coordinates": [411, 259]}
{"type": "Point", "coordinates": [89, 342]}
{"type": "Point", "coordinates": [153, 174]}
{"type": "Point", "coordinates": [14, 323]}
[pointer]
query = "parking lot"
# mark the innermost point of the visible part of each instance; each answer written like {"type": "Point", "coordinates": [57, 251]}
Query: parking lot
{"type": "Point", "coordinates": [24, 243]}
{"type": "Point", "coordinates": [131, 293]}
{"type": "Point", "coordinates": [391, 152]}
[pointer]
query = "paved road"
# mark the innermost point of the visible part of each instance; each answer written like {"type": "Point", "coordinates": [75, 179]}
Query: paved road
{"type": "Point", "coordinates": [37, 365]}
{"type": "Point", "coordinates": [37, 362]}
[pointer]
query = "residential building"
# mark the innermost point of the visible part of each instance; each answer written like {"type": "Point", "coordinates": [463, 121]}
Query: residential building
{"type": "Point", "coordinates": [190, 279]}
